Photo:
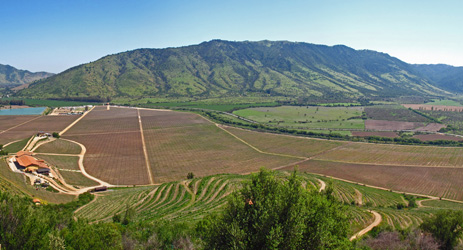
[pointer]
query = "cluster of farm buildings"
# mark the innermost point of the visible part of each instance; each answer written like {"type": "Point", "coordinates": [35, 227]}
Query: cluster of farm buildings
{"type": "Point", "coordinates": [24, 161]}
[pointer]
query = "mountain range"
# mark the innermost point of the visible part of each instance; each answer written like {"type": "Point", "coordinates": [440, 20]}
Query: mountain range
{"type": "Point", "coordinates": [12, 77]}
{"type": "Point", "coordinates": [224, 68]}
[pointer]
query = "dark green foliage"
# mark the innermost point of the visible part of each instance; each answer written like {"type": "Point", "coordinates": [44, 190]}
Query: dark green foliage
{"type": "Point", "coordinates": [446, 226]}
{"type": "Point", "coordinates": [444, 76]}
{"type": "Point", "coordinates": [272, 213]}
{"type": "Point", "coordinates": [56, 135]}
{"type": "Point", "coordinates": [223, 68]}
{"type": "Point", "coordinates": [190, 175]}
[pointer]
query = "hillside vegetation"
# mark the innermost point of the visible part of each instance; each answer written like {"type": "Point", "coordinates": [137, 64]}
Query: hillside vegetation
{"type": "Point", "coordinates": [223, 68]}
{"type": "Point", "coordinates": [10, 76]}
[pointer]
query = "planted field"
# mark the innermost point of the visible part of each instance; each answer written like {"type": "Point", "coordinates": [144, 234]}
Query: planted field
{"type": "Point", "coordinates": [178, 143]}
{"type": "Point", "coordinates": [182, 201]}
{"type": "Point", "coordinates": [434, 137]}
{"type": "Point", "coordinates": [440, 182]}
{"type": "Point", "coordinates": [9, 121]}
{"type": "Point", "coordinates": [397, 155]}
{"type": "Point", "coordinates": [41, 123]}
{"type": "Point", "coordinates": [442, 204]}
{"type": "Point", "coordinates": [17, 146]}
{"type": "Point", "coordinates": [389, 134]}
{"type": "Point", "coordinates": [393, 113]}
{"type": "Point", "coordinates": [114, 157]}
{"type": "Point", "coordinates": [113, 142]}
{"type": "Point", "coordinates": [283, 144]}
{"type": "Point", "coordinates": [61, 162]}
{"type": "Point", "coordinates": [307, 117]}
{"type": "Point", "coordinates": [404, 218]}
{"type": "Point", "coordinates": [392, 125]}
{"type": "Point", "coordinates": [434, 107]}
{"type": "Point", "coordinates": [59, 146]}
{"type": "Point", "coordinates": [68, 168]}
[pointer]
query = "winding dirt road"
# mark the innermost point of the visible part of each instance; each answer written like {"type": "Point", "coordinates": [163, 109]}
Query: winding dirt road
{"type": "Point", "coordinates": [375, 223]}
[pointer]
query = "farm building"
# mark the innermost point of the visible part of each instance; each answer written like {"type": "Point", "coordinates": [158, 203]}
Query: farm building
{"type": "Point", "coordinates": [30, 164]}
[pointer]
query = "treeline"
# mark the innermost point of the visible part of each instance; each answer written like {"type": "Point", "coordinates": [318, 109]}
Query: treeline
{"type": "Point", "coordinates": [83, 99]}
{"type": "Point", "coordinates": [333, 135]}
{"type": "Point", "coordinates": [13, 102]}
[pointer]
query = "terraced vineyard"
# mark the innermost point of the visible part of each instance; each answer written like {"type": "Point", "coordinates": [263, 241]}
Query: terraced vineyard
{"type": "Point", "coordinates": [420, 180]}
{"type": "Point", "coordinates": [181, 201]}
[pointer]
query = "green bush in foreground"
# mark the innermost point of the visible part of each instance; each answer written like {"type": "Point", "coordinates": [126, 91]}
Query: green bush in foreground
{"type": "Point", "coordinates": [272, 213]}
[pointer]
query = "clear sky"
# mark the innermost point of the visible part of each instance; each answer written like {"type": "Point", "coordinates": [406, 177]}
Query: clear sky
{"type": "Point", "coordinates": [55, 35]}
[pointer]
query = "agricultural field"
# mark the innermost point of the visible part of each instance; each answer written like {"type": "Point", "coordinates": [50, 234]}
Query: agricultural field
{"type": "Point", "coordinates": [284, 144]}
{"type": "Point", "coordinates": [388, 134]}
{"type": "Point", "coordinates": [113, 142]}
{"type": "Point", "coordinates": [33, 125]}
{"type": "Point", "coordinates": [307, 117]}
{"type": "Point", "coordinates": [434, 137]}
{"type": "Point", "coordinates": [390, 154]}
{"type": "Point", "coordinates": [424, 107]}
{"type": "Point", "coordinates": [68, 168]}
{"type": "Point", "coordinates": [17, 146]}
{"type": "Point", "coordinates": [439, 182]}
{"type": "Point", "coordinates": [178, 143]}
{"type": "Point", "coordinates": [398, 126]}
{"type": "Point", "coordinates": [393, 113]}
{"type": "Point", "coordinates": [444, 103]}
{"type": "Point", "coordinates": [59, 146]}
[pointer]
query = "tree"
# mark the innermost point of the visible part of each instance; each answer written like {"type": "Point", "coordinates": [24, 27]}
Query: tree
{"type": "Point", "coordinates": [190, 175]}
{"type": "Point", "coordinates": [275, 213]}
{"type": "Point", "coordinates": [446, 226]}
{"type": "Point", "coordinates": [56, 135]}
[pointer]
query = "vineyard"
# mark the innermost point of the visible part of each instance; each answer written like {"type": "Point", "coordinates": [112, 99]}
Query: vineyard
{"type": "Point", "coordinates": [439, 182]}
{"type": "Point", "coordinates": [59, 146]}
{"type": "Point", "coordinates": [113, 142]}
{"type": "Point", "coordinates": [190, 200]}
{"type": "Point", "coordinates": [397, 155]}
{"type": "Point", "coordinates": [178, 143]}
{"type": "Point", "coordinates": [20, 127]}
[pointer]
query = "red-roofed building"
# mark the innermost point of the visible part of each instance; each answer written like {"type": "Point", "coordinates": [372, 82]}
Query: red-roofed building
{"type": "Point", "coordinates": [29, 161]}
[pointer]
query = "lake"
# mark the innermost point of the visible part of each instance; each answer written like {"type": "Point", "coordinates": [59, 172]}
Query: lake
{"type": "Point", "coordinates": [24, 111]}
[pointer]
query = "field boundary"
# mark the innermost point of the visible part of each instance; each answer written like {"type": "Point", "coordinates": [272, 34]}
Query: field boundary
{"type": "Point", "coordinates": [76, 121]}
{"type": "Point", "coordinates": [145, 151]}
{"type": "Point", "coordinates": [35, 118]}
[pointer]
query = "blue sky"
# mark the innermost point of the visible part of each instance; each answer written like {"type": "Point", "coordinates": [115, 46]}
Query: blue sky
{"type": "Point", "coordinates": [56, 35]}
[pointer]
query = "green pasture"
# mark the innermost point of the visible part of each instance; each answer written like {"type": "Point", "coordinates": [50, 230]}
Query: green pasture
{"type": "Point", "coordinates": [306, 117]}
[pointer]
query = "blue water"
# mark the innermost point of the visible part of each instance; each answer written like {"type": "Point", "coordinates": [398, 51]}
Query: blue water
{"type": "Point", "coordinates": [24, 111]}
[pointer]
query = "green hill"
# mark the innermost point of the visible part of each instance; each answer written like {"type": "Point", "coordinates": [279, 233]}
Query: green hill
{"type": "Point", "coordinates": [444, 76]}
{"type": "Point", "coordinates": [10, 76]}
{"type": "Point", "coordinates": [223, 68]}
